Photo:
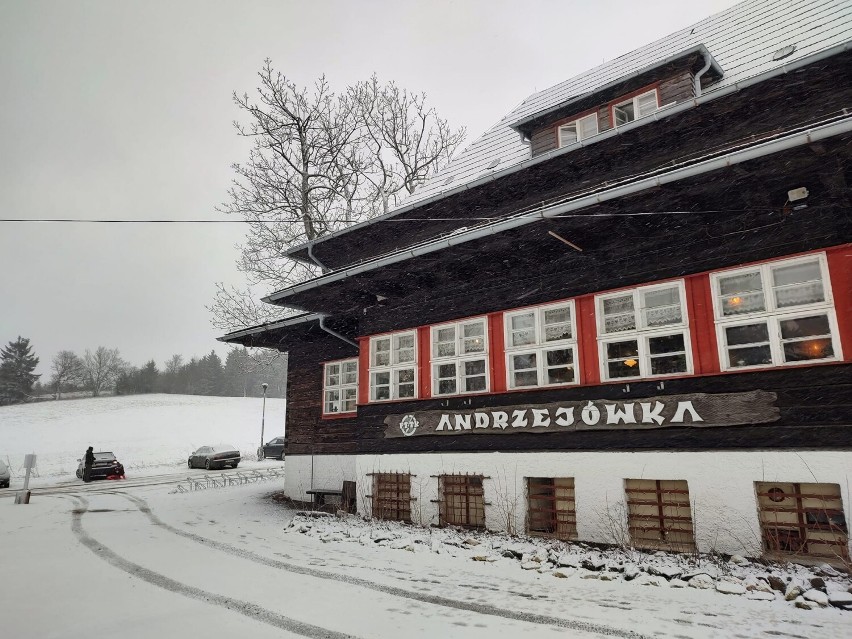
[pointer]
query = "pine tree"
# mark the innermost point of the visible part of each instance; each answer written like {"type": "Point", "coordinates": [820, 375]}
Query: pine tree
{"type": "Point", "coordinates": [17, 364]}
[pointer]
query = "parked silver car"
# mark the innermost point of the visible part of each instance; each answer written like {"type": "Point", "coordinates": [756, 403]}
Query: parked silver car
{"type": "Point", "coordinates": [217, 456]}
{"type": "Point", "coordinates": [5, 475]}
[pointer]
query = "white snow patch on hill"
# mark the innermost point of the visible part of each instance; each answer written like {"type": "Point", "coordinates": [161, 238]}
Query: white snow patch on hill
{"type": "Point", "coordinates": [142, 430]}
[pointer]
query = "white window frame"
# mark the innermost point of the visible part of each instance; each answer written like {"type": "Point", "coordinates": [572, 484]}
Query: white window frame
{"type": "Point", "coordinates": [642, 333]}
{"type": "Point", "coordinates": [341, 387]}
{"type": "Point", "coordinates": [772, 315]}
{"type": "Point", "coordinates": [578, 129]}
{"type": "Point", "coordinates": [460, 357]}
{"type": "Point", "coordinates": [635, 102]}
{"type": "Point", "coordinates": [540, 347]}
{"type": "Point", "coordinates": [393, 367]}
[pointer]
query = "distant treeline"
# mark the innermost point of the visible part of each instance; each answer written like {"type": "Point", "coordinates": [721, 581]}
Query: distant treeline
{"type": "Point", "coordinates": [241, 375]}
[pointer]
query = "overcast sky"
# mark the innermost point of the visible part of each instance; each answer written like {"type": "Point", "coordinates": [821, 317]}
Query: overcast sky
{"type": "Point", "coordinates": [122, 110]}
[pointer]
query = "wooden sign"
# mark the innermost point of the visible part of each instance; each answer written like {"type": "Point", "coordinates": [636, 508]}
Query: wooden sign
{"type": "Point", "coordinates": [699, 410]}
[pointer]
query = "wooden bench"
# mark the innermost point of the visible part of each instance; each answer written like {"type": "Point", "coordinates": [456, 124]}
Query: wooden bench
{"type": "Point", "coordinates": [318, 495]}
{"type": "Point", "coordinates": [346, 495]}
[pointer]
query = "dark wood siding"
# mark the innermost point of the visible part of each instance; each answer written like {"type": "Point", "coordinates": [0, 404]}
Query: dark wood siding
{"type": "Point", "coordinates": [307, 432]}
{"type": "Point", "coordinates": [677, 88]}
{"type": "Point", "coordinates": [815, 403]}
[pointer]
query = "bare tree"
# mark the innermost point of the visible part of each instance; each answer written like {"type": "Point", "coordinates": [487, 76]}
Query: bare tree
{"type": "Point", "coordinates": [319, 161]}
{"type": "Point", "coordinates": [406, 141]}
{"type": "Point", "coordinates": [101, 369]}
{"type": "Point", "coordinates": [67, 368]}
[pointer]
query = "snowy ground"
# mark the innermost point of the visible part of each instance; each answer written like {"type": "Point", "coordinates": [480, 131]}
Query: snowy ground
{"type": "Point", "coordinates": [148, 433]}
{"type": "Point", "coordinates": [228, 560]}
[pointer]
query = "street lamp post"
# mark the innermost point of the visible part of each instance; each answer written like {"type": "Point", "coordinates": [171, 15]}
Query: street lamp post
{"type": "Point", "coordinates": [263, 414]}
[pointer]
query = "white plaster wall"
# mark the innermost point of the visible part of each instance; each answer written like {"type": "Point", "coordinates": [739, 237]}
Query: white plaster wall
{"type": "Point", "coordinates": [327, 471]}
{"type": "Point", "coordinates": [721, 486]}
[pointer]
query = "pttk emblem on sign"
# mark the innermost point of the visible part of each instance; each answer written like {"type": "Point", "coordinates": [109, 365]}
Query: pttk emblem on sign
{"type": "Point", "coordinates": [408, 425]}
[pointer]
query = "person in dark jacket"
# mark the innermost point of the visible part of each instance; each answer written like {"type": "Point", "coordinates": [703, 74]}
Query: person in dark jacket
{"type": "Point", "coordinates": [88, 462]}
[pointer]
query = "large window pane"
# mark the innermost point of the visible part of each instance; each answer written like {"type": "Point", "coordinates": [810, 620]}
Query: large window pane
{"type": "Point", "coordinates": [666, 344]}
{"type": "Point", "coordinates": [747, 334]}
{"type": "Point", "coordinates": [623, 369]}
{"type": "Point", "coordinates": [623, 359]}
{"type": "Point", "coordinates": [447, 386]}
{"type": "Point", "coordinates": [806, 338]}
{"type": "Point", "coordinates": [525, 369]}
{"type": "Point", "coordinates": [523, 329]}
{"type": "Point", "coordinates": [619, 314]}
{"type": "Point", "coordinates": [805, 327]}
{"type": "Point", "coordinates": [741, 293]}
{"type": "Point", "coordinates": [526, 378]}
{"type": "Point", "coordinates": [662, 307]}
{"type": "Point", "coordinates": [445, 342]}
{"type": "Point", "coordinates": [557, 323]}
{"type": "Point", "coordinates": [629, 348]}
{"type": "Point", "coordinates": [560, 366]}
{"type": "Point", "coordinates": [750, 356]}
{"type": "Point", "coordinates": [808, 349]}
{"type": "Point", "coordinates": [668, 364]}
{"type": "Point", "coordinates": [474, 337]}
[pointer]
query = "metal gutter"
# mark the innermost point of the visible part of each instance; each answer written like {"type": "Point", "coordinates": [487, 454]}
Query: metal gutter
{"type": "Point", "coordinates": [663, 113]}
{"type": "Point", "coordinates": [292, 321]}
{"type": "Point", "coordinates": [737, 157]}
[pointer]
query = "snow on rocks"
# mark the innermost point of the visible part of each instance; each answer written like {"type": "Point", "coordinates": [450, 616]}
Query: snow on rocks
{"type": "Point", "coordinates": [808, 588]}
{"type": "Point", "coordinates": [840, 599]}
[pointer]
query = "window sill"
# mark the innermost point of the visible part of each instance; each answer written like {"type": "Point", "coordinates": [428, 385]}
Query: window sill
{"type": "Point", "coordinates": [347, 415]}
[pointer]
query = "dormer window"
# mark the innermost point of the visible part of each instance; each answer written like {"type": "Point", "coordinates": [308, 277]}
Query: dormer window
{"type": "Point", "coordinates": [636, 107]}
{"type": "Point", "coordinates": [580, 129]}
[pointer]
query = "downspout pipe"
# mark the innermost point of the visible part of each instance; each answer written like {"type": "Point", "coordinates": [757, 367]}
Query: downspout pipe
{"type": "Point", "coordinates": [696, 81]}
{"type": "Point", "coordinates": [315, 259]}
{"type": "Point", "coordinates": [334, 333]}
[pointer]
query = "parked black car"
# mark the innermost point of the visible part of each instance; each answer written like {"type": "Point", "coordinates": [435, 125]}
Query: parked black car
{"type": "Point", "coordinates": [217, 456]}
{"type": "Point", "coordinates": [273, 449]}
{"type": "Point", "coordinates": [105, 466]}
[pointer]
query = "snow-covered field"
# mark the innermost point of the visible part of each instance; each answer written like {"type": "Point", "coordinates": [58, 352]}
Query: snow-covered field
{"type": "Point", "coordinates": [230, 560]}
{"type": "Point", "coordinates": [144, 431]}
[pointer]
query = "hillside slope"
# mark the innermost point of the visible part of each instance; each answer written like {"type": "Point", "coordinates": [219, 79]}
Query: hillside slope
{"type": "Point", "coordinates": [142, 430]}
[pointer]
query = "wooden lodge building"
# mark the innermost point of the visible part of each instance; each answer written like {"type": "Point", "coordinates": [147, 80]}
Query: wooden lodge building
{"type": "Point", "coordinates": [624, 312]}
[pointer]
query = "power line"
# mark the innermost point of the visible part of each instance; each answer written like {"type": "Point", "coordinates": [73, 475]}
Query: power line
{"type": "Point", "coordinates": [393, 220]}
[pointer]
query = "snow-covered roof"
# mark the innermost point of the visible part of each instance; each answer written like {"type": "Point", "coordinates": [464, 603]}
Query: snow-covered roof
{"type": "Point", "coordinates": [750, 39]}
{"type": "Point", "coordinates": [743, 40]}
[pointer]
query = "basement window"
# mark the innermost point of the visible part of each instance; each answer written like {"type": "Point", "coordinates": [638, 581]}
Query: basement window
{"type": "Point", "coordinates": [634, 108]}
{"type": "Point", "coordinates": [775, 314]}
{"type": "Point", "coordinates": [541, 346]}
{"type": "Point", "coordinates": [462, 501]}
{"type": "Point", "coordinates": [804, 520]}
{"type": "Point", "coordinates": [551, 510]}
{"type": "Point", "coordinates": [659, 516]}
{"type": "Point", "coordinates": [643, 332]}
{"type": "Point", "coordinates": [460, 358]}
{"type": "Point", "coordinates": [392, 496]}
{"type": "Point", "coordinates": [580, 129]}
{"type": "Point", "coordinates": [340, 387]}
{"type": "Point", "coordinates": [393, 367]}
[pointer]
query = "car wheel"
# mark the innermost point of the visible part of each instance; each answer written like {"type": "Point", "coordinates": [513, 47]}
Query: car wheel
{"type": "Point", "coordinates": [189, 463]}
{"type": "Point", "coordinates": [235, 465]}
{"type": "Point", "coordinates": [79, 474]}
{"type": "Point", "coordinates": [259, 454]}
{"type": "Point", "coordinates": [207, 464]}
{"type": "Point", "coordinates": [282, 456]}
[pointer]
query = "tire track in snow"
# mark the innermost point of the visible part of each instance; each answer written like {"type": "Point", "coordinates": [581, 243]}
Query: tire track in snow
{"type": "Point", "coordinates": [245, 608]}
{"type": "Point", "coordinates": [483, 609]}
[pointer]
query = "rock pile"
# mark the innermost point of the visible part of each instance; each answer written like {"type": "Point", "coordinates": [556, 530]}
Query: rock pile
{"type": "Point", "coordinates": [804, 587]}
